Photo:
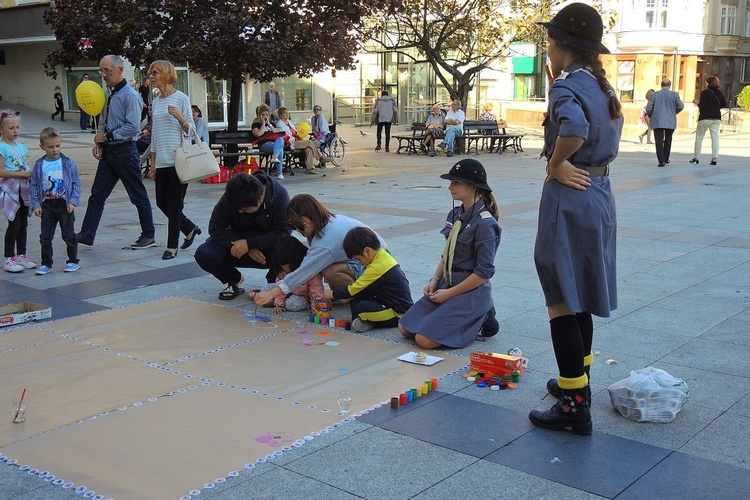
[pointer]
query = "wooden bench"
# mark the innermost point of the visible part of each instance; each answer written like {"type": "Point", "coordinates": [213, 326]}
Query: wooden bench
{"type": "Point", "coordinates": [229, 147]}
{"type": "Point", "coordinates": [477, 135]}
{"type": "Point", "coordinates": [411, 143]}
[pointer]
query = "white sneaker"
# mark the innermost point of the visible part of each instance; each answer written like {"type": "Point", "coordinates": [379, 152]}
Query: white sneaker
{"type": "Point", "coordinates": [280, 177]}
{"type": "Point", "coordinates": [361, 325]}
{"type": "Point", "coordinates": [274, 159]}
{"type": "Point", "coordinates": [12, 265]}
{"type": "Point", "coordinates": [25, 262]}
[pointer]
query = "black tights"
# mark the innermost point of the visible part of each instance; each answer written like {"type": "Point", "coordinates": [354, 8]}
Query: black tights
{"type": "Point", "coordinates": [572, 336]}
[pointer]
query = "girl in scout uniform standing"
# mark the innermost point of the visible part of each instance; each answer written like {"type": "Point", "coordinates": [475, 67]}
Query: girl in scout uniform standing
{"type": "Point", "coordinates": [575, 245]}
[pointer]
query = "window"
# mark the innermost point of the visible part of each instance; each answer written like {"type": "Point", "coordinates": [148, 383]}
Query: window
{"type": "Point", "coordinates": [296, 92]}
{"type": "Point", "coordinates": [656, 13]}
{"type": "Point", "coordinates": [625, 78]}
{"type": "Point", "coordinates": [217, 102]}
{"type": "Point", "coordinates": [74, 78]}
{"type": "Point", "coordinates": [746, 70]}
{"type": "Point", "coordinates": [728, 17]}
{"type": "Point", "coordinates": [524, 87]}
{"type": "Point", "coordinates": [181, 84]}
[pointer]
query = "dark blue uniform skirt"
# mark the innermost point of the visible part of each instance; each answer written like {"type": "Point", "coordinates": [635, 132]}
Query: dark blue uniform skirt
{"type": "Point", "coordinates": [455, 322]}
{"type": "Point", "coordinates": [575, 250]}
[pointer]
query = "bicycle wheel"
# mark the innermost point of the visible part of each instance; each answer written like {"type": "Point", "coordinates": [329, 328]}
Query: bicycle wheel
{"type": "Point", "coordinates": [336, 151]}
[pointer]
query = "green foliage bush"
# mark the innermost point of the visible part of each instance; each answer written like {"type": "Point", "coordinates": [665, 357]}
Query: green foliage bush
{"type": "Point", "coordinates": [743, 99]}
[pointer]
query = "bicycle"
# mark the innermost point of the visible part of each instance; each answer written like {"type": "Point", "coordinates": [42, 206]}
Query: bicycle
{"type": "Point", "coordinates": [333, 146]}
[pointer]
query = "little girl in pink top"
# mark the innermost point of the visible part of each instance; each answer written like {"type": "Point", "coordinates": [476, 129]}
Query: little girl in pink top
{"type": "Point", "coordinates": [288, 255]}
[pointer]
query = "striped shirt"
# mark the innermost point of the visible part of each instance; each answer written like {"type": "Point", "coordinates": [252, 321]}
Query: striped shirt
{"type": "Point", "coordinates": [166, 132]}
{"type": "Point", "coordinates": [123, 120]}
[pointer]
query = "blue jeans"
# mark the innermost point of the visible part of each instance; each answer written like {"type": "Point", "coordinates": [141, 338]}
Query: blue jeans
{"type": "Point", "coordinates": [275, 147]}
{"type": "Point", "coordinates": [451, 132]}
{"type": "Point", "coordinates": [84, 120]}
{"type": "Point", "coordinates": [120, 162]}
{"type": "Point", "coordinates": [358, 268]}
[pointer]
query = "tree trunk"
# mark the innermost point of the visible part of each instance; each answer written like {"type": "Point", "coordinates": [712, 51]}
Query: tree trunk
{"type": "Point", "coordinates": [464, 88]}
{"type": "Point", "coordinates": [233, 118]}
{"type": "Point", "coordinates": [235, 94]}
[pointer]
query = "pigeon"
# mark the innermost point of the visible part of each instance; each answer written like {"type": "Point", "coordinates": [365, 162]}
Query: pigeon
{"type": "Point", "coordinates": [363, 133]}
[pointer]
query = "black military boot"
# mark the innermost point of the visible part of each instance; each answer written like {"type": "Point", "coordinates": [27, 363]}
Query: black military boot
{"type": "Point", "coordinates": [570, 412]}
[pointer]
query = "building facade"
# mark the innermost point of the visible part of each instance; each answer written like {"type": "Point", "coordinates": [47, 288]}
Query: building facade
{"type": "Point", "coordinates": [685, 40]}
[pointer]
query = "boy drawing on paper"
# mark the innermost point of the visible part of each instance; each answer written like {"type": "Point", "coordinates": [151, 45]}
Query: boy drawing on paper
{"type": "Point", "coordinates": [381, 295]}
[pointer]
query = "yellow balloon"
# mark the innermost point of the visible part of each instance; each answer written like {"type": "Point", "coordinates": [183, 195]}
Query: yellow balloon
{"type": "Point", "coordinates": [303, 130]}
{"type": "Point", "coordinates": [90, 97]}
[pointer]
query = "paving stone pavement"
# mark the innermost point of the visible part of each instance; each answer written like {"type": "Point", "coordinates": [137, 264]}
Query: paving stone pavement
{"type": "Point", "coordinates": [684, 306]}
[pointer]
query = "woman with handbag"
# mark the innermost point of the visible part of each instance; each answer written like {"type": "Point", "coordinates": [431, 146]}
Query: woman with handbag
{"type": "Point", "coordinates": [272, 146]}
{"type": "Point", "coordinates": [172, 119]}
{"type": "Point", "coordinates": [709, 105]}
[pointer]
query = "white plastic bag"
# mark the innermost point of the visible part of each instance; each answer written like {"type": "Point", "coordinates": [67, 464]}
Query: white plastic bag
{"type": "Point", "coordinates": [649, 395]}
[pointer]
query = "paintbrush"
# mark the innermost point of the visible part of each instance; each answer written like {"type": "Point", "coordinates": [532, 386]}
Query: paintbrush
{"type": "Point", "coordinates": [20, 404]}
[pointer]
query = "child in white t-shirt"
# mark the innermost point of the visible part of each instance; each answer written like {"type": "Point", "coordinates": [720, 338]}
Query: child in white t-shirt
{"type": "Point", "coordinates": [55, 194]}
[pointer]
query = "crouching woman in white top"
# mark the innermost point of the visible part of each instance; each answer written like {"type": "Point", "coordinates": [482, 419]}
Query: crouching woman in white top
{"type": "Point", "coordinates": [324, 232]}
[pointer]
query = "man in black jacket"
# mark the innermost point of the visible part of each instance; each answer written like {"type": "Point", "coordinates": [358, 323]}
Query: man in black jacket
{"type": "Point", "coordinates": [246, 223]}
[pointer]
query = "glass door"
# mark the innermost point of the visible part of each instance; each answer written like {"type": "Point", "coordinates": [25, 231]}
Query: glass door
{"type": "Point", "coordinates": [217, 102]}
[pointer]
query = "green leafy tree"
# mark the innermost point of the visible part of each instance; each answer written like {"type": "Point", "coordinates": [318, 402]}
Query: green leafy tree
{"type": "Point", "coordinates": [458, 38]}
{"type": "Point", "coordinates": [230, 40]}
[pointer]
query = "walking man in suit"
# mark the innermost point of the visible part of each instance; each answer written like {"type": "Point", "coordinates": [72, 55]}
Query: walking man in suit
{"type": "Point", "coordinates": [663, 107]}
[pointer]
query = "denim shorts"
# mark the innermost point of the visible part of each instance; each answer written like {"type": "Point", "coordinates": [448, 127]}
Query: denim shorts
{"type": "Point", "coordinates": [358, 269]}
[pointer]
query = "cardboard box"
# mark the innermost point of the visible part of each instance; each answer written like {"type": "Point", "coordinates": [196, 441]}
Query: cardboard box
{"type": "Point", "coordinates": [23, 312]}
{"type": "Point", "coordinates": [491, 363]}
